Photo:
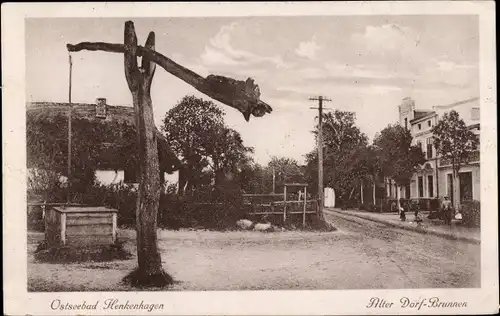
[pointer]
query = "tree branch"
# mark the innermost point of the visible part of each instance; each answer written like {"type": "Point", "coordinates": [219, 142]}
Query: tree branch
{"type": "Point", "coordinates": [148, 66]}
{"type": "Point", "coordinates": [241, 95]}
{"type": "Point", "coordinates": [130, 54]}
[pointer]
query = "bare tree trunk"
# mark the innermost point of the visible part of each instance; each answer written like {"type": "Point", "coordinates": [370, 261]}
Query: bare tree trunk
{"type": "Point", "coordinates": [350, 195]}
{"type": "Point", "coordinates": [150, 271]}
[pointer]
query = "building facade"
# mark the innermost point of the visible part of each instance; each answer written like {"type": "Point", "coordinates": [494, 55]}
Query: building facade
{"type": "Point", "coordinates": [434, 177]}
{"type": "Point", "coordinates": [108, 172]}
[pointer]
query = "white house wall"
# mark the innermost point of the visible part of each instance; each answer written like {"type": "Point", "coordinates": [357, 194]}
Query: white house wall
{"type": "Point", "coordinates": [476, 180]}
{"type": "Point", "coordinates": [107, 177]}
{"type": "Point", "coordinates": [465, 111]}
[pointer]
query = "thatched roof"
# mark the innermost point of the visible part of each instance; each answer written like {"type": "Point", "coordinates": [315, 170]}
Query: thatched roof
{"type": "Point", "coordinates": [114, 114]}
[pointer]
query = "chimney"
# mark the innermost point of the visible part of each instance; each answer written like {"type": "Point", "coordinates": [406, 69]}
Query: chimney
{"type": "Point", "coordinates": [406, 112]}
{"type": "Point", "coordinates": [101, 108]}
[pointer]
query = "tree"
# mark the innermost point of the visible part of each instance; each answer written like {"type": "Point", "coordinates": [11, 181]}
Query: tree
{"type": "Point", "coordinates": [226, 153]}
{"type": "Point", "coordinates": [344, 145]}
{"type": "Point", "coordinates": [398, 158]}
{"type": "Point", "coordinates": [286, 170]}
{"type": "Point", "coordinates": [243, 96]}
{"type": "Point", "coordinates": [189, 127]}
{"type": "Point", "coordinates": [454, 142]}
{"type": "Point", "coordinates": [196, 131]}
{"type": "Point", "coordinates": [253, 178]}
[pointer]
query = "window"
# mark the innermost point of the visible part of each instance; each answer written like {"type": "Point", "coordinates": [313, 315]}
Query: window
{"type": "Point", "coordinates": [430, 185]}
{"type": "Point", "coordinates": [406, 123]}
{"type": "Point", "coordinates": [429, 147]}
{"type": "Point", "coordinates": [420, 187]}
{"type": "Point", "coordinates": [429, 123]}
{"type": "Point", "coordinates": [419, 126]}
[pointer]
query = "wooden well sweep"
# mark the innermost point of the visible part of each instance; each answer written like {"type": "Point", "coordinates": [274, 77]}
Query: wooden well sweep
{"type": "Point", "coordinates": [80, 226]}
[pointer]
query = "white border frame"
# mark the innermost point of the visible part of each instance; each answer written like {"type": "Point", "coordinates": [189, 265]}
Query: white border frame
{"type": "Point", "coordinates": [19, 301]}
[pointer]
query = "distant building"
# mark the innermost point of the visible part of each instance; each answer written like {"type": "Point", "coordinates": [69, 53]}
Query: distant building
{"type": "Point", "coordinates": [108, 172]}
{"type": "Point", "coordinates": [434, 178]}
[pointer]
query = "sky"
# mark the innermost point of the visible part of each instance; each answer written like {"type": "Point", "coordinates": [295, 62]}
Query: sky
{"type": "Point", "coordinates": [364, 64]}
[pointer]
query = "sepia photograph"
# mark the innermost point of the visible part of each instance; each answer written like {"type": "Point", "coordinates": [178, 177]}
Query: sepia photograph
{"type": "Point", "coordinates": [257, 152]}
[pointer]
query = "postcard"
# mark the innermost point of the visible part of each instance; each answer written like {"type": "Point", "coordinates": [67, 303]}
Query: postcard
{"type": "Point", "coordinates": [294, 158]}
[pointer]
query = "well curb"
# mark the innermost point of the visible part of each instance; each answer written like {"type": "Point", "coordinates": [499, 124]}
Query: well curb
{"type": "Point", "coordinates": [410, 228]}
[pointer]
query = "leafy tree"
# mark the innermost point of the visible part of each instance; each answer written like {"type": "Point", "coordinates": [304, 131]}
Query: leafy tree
{"type": "Point", "coordinates": [285, 169]}
{"type": "Point", "coordinates": [345, 155]}
{"type": "Point", "coordinates": [254, 178]}
{"type": "Point", "coordinates": [226, 153]}
{"type": "Point", "coordinates": [189, 128]}
{"type": "Point", "coordinates": [398, 159]}
{"type": "Point", "coordinates": [454, 142]}
{"type": "Point", "coordinates": [197, 133]}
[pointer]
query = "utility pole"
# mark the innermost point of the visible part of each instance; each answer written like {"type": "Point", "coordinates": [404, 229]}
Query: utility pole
{"type": "Point", "coordinates": [69, 130]}
{"type": "Point", "coordinates": [320, 100]}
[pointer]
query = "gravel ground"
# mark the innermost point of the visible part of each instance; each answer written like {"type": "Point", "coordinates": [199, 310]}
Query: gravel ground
{"type": "Point", "coordinates": [361, 255]}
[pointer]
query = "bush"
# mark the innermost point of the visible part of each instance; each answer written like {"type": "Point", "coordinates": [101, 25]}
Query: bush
{"type": "Point", "coordinates": [349, 204]}
{"type": "Point", "coordinates": [35, 218]}
{"type": "Point", "coordinates": [434, 205]}
{"type": "Point", "coordinates": [471, 213]}
{"type": "Point", "coordinates": [45, 185]}
{"type": "Point", "coordinates": [390, 205]}
{"type": "Point", "coordinates": [425, 204]}
{"type": "Point", "coordinates": [210, 207]}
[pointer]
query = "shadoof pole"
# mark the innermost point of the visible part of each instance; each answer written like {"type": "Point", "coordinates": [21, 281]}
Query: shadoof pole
{"type": "Point", "coordinates": [70, 109]}
{"type": "Point", "coordinates": [320, 100]}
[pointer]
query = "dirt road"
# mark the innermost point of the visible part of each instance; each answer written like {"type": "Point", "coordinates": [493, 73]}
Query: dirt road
{"type": "Point", "coordinates": [360, 255]}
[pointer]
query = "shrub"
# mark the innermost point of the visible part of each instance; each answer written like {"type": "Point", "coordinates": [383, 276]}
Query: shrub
{"type": "Point", "coordinates": [374, 208]}
{"type": "Point", "coordinates": [434, 205]}
{"type": "Point", "coordinates": [45, 185]}
{"type": "Point", "coordinates": [415, 205]}
{"type": "Point", "coordinates": [209, 207]}
{"type": "Point", "coordinates": [390, 205]}
{"type": "Point", "coordinates": [471, 213]}
{"type": "Point", "coordinates": [35, 218]}
{"type": "Point", "coordinates": [347, 204]}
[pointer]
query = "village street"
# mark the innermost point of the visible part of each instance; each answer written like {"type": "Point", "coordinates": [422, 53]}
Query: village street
{"type": "Point", "coordinates": [362, 254]}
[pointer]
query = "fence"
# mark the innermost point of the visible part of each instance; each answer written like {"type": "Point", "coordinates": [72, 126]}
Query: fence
{"type": "Point", "coordinates": [277, 205]}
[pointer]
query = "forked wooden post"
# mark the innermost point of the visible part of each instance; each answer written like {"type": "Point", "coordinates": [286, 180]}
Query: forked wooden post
{"type": "Point", "coordinates": [305, 204]}
{"type": "Point", "coordinates": [284, 206]}
{"type": "Point", "coordinates": [241, 95]}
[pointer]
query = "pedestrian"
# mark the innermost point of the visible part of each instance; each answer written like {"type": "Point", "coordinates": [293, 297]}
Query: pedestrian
{"type": "Point", "coordinates": [447, 209]}
{"type": "Point", "coordinates": [418, 219]}
{"type": "Point", "coordinates": [402, 210]}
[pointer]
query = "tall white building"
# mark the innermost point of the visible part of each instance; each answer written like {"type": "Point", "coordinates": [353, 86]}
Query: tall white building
{"type": "Point", "coordinates": [434, 177]}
